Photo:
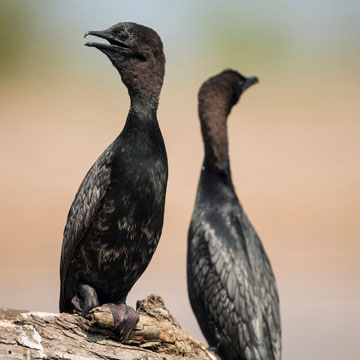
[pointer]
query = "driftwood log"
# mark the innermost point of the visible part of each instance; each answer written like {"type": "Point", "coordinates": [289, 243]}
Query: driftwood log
{"type": "Point", "coordinates": [33, 335]}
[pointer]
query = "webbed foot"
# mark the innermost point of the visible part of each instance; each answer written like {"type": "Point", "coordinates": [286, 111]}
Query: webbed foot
{"type": "Point", "coordinates": [125, 318]}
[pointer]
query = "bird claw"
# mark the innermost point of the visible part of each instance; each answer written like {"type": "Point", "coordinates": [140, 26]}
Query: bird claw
{"type": "Point", "coordinates": [85, 299]}
{"type": "Point", "coordinates": [76, 304]}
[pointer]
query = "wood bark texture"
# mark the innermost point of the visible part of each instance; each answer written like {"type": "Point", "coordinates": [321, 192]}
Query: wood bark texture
{"type": "Point", "coordinates": [33, 335]}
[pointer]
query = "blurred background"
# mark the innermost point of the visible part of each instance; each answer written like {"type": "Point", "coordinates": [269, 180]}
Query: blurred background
{"type": "Point", "coordinates": [294, 147]}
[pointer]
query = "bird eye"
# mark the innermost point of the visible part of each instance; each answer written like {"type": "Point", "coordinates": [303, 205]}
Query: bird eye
{"type": "Point", "coordinates": [123, 35]}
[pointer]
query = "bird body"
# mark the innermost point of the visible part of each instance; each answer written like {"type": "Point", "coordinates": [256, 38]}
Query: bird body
{"type": "Point", "coordinates": [231, 285]}
{"type": "Point", "coordinates": [125, 224]}
{"type": "Point", "coordinates": [116, 218]}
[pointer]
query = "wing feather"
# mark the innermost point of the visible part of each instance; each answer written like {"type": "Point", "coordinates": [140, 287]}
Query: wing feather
{"type": "Point", "coordinates": [84, 207]}
{"type": "Point", "coordinates": [237, 303]}
{"type": "Point", "coordinates": [268, 293]}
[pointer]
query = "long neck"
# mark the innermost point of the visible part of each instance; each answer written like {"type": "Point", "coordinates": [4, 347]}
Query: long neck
{"type": "Point", "coordinates": [144, 103]}
{"type": "Point", "coordinates": [215, 187]}
{"type": "Point", "coordinates": [142, 111]}
{"type": "Point", "coordinates": [214, 132]}
{"type": "Point", "coordinates": [143, 87]}
{"type": "Point", "coordinates": [141, 123]}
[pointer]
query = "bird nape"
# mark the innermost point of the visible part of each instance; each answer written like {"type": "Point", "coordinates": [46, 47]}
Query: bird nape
{"type": "Point", "coordinates": [115, 221]}
{"type": "Point", "coordinates": [231, 285]}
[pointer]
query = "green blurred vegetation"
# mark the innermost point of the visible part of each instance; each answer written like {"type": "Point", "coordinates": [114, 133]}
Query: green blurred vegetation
{"type": "Point", "coordinates": [29, 44]}
{"type": "Point", "coordinates": [280, 37]}
{"type": "Point", "coordinates": [241, 36]}
{"type": "Point", "coordinates": [16, 27]}
{"type": "Point", "coordinates": [274, 37]}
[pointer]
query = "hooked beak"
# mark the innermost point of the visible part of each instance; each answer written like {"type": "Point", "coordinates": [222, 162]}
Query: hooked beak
{"type": "Point", "coordinates": [249, 81]}
{"type": "Point", "coordinates": [113, 46]}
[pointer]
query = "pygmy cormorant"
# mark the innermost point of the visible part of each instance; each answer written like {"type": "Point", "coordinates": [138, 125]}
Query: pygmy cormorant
{"type": "Point", "coordinates": [116, 218]}
{"type": "Point", "coordinates": [231, 285]}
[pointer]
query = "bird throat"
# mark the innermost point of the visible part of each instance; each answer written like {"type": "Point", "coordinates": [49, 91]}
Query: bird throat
{"type": "Point", "coordinates": [143, 108]}
{"type": "Point", "coordinates": [214, 131]}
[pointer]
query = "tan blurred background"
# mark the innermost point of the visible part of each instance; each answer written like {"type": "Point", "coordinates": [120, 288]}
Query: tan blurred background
{"type": "Point", "coordinates": [294, 143]}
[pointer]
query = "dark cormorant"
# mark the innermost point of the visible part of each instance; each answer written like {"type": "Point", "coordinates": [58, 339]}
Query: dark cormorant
{"type": "Point", "coordinates": [231, 285]}
{"type": "Point", "coordinates": [116, 218]}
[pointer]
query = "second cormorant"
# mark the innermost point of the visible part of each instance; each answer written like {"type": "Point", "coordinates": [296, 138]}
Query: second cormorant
{"type": "Point", "coordinates": [116, 218]}
{"type": "Point", "coordinates": [231, 285]}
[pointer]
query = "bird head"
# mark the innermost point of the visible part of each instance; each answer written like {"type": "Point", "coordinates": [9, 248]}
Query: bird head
{"type": "Point", "coordinates": [136, 51]}
{"type": "Point", "coordinates": [238, 82]}
{"type": "Point", "coordinates": [224, 89]}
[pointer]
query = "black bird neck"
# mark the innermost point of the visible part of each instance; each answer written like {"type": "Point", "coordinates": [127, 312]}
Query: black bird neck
{"type": "Point", "coordinates": [144, 100]}
{"type": "Point", "coordinates": [142, 112]}
{"type": "Point", "coordinates": [215, 188]}
{"type": "Point", "coordinates": [214, 179]}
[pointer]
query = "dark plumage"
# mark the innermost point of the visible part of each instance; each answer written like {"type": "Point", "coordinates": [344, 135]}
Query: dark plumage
{"type": "Point", "coordinates": [231, 285]}
{"type": "Point", "coordinates": [116, 218]}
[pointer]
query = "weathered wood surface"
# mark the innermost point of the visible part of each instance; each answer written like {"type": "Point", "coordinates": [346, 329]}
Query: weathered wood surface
{"type": "Point", "coordinates": [34, 335]}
